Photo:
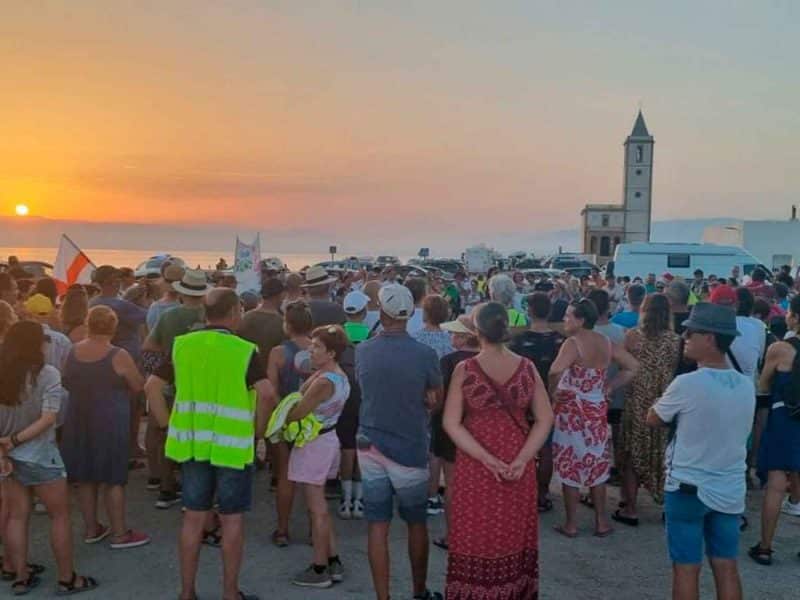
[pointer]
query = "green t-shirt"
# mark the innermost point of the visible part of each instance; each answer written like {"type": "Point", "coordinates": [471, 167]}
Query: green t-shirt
{"type": "Point", "coordinates": [356, 332]}
{"type": "Point", "coordinates": [177, 321]}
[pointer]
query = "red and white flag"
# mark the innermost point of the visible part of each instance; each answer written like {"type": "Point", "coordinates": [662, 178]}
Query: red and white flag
{"type": "Point", "coordinates": [72, 266]}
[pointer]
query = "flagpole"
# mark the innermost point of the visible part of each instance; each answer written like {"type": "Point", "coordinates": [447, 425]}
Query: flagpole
{"type": "Point", "coordinates": [79, 249]}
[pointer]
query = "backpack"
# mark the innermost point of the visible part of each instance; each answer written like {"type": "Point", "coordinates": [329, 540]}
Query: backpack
{"type": "Point", "coordinates": [792, 397]}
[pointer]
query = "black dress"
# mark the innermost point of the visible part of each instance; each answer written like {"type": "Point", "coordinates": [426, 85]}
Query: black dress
{"type": "Point", "coordinates": [95, 437]}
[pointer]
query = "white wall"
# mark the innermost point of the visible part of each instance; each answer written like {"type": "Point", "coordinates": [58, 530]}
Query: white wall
{"type": "Point", "coordinates": [763, 239]}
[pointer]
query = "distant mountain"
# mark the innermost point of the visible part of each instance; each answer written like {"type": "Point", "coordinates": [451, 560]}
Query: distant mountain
{"type": "Point", "coordinates": [41, 232]}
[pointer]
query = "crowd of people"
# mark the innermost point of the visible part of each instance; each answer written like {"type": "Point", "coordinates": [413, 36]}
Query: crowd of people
{"type": "Point", "coordinates": [460, 395]}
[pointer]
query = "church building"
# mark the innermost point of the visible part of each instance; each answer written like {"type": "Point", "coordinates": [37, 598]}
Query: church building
{"type": "Point", "coordinates": [604, 226]}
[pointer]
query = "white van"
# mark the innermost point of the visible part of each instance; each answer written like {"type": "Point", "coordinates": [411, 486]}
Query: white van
{"type": "Point", "coordinates": [682, 260]}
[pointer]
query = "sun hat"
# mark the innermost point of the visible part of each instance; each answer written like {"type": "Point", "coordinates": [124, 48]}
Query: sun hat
{"type": "Point", "coordinates": [396, 301]}
{"type": "Point", "coordinates": [714, 318]}
{"type": "Point", "coordinates": [39, 304]}
{"type": "Point", "coordinates": [317, 275]}
{"type": "Point", "coordinates": [463, 324]}
{"type": "Point", "coordinates": [173, 273]}
{"type": "Point", "coordinates": [355, 302]}
{"type": "Point", "coordinates": [724, 295]}
{"type": "Point", "coordinates": [193, 283]}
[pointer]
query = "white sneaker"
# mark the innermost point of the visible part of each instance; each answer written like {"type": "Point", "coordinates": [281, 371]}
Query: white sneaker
{"type": "Point", "coordinates": [358, 509]}
{"type": "Point", "coordinates": [790, 508]}
{"type": "Point", "coordinates": [345, 510]}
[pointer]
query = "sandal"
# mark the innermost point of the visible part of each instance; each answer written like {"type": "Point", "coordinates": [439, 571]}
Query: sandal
{"type": "Point", "coordinates": [68, 588]}
{"type": "Point", "coordinates": [22, 587]}
{"type": "Point", "coordinates": [629, 521]}
{"type": "Point", "coordinates": [545, 505]}
{"type": "Point", "coordinates": [441, 543]}
{"type": "Point", "coordinates": [33, 569]}
{"type": "Point", "coordinates": [212, 538]}
{"type": "Point", "coordinates": [281, 540]}
{"type": "Point", "coordinates": [762, 556]}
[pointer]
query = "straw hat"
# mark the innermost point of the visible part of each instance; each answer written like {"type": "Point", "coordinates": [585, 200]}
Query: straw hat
{"type": "Point", "coordinates": [193, 283]}
{"type": "Point", "coordinates": [317, 275]}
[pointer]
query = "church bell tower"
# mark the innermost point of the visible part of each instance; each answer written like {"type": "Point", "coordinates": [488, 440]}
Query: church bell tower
{"type": "Point", "coordinates": [638, 186]}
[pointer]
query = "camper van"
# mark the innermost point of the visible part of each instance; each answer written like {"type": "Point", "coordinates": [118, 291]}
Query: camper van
{"type": "Point", "coordinates": [682, 260]}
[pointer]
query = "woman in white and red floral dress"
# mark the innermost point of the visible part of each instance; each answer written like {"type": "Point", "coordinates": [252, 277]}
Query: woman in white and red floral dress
{"type": "Point", "coordinates": [581, 452]}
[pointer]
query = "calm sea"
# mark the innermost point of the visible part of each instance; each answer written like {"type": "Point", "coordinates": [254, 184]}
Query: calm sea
{"type": "Point", "coordinates": [131, 258]}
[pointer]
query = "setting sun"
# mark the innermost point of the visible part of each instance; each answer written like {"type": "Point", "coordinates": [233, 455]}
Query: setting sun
{"type": "Point", "coordinates": [21, 210]}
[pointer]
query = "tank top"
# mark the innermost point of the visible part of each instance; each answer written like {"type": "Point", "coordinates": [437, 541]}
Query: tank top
{"type": "Point", "coordinates": [296, 368]}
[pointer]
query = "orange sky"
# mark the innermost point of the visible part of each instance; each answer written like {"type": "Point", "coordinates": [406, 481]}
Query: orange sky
{"type": "Point", "coordinates": [399, 116]}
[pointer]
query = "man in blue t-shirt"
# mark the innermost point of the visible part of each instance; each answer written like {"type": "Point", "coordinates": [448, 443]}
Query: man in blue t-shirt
{"type": "Point", "coordinates": [400, 381]}
{"type": "Point", "coordinates": [130, 316]}
{"type": "Point", "coordinates": [630, 318]}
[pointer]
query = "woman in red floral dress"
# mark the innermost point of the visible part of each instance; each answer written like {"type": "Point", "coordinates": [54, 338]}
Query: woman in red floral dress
{"type": "Point", "coordinates": [581, 454]}
{"type": "Point", "coordinates": [494, 518]}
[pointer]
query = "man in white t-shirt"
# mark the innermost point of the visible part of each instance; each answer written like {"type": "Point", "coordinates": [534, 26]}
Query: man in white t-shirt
{"type": "Point", "coordinates": [711, 410]}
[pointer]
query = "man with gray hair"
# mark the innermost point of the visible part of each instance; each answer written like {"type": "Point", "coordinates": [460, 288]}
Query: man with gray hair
{"type": "Point", "coordinates": [677, 293]}
{"type": "Point", "coordinates": [502, 289]}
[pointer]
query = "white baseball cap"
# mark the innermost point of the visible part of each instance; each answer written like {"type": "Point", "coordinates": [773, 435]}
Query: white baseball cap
{"type": "Point", "coordinates": [396, 301]}
{"type": "Point", "coordinates": [355, 302]}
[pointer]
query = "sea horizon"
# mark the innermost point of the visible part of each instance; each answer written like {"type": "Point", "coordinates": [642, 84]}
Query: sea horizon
{"type": "Point", "coordinates": [131, 257]}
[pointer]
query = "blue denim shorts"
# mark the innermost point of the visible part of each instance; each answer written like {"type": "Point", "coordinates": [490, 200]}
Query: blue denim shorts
{"type": "Point", "coordinates": [383, 479]}
{"type": "Point", "coordinates": [202, 481]}
{"type": "Point", "coordinates": [690, 523]}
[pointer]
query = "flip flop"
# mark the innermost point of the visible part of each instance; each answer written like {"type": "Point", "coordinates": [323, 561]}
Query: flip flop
{"type": "Point", "coordinates": [603, 534]}
{"type": "Point", "coordinates": [441, 543]}
{"type": "Point", "coordinates": [629, 521]}
{"type": "Point", "coordinates": [560, 530]}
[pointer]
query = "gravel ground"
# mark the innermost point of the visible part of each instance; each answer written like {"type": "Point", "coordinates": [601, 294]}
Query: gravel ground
{"type": "Point", "coordinates": [631, 564]}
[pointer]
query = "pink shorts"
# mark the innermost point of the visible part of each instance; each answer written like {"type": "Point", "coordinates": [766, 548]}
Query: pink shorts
{"type": "Point", "coordinates": [317, 461]}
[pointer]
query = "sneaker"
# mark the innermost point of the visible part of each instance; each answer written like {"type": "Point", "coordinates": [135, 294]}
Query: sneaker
{"type": "Point", "coordinates": [153, 484]}
{"type": "Point", "coordinates": [336, 571]}
{"type": "Point", "coordinates": [791, 508]}
{"type": "Point", "coordinates": [358, 509]}
{"type": "Point", "coordinates": [435, 505]}
{"type": "Point", "coordinates": [310, 578]}
{"type": "Point", "coordinates": [167, 499]}
{"type": "Point", "coordinates": [132, 539]}
{"type": "Point", "coordinates": [346, 510]}
{"type": "Point", "coordinates": [39, 508]}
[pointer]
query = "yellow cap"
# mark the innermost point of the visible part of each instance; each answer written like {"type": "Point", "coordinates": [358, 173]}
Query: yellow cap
{"type": "Point", "coordinates": [39, 304]}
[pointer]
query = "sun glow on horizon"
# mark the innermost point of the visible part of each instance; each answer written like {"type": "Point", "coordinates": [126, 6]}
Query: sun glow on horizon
{"type": "Point", "coordinates": [21, 210]}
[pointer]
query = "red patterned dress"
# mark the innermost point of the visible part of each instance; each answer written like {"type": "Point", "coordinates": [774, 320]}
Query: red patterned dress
{"type": "Point", "coordinates": [494, 528]}
{"type": "Point", "coordinates": [581, 454]}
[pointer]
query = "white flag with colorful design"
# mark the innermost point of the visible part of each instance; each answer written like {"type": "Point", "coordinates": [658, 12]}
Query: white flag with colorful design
{"type": "Point", "coordinates": [72, 266]}
{"type": "Point", "coordinates": [247, 266]}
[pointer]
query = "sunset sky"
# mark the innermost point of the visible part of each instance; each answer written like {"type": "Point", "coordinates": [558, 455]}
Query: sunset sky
{"type": "Point", "coordinates": [453, 119]}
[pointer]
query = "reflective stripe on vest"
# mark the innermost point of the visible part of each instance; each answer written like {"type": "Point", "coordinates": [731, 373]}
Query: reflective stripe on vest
{"type": "Point", "coordinates": [212, 419]}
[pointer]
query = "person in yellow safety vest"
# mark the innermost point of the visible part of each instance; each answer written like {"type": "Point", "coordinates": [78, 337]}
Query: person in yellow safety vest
{"type": "Point", "coordinates": [223, 401]}
{"type": "Point", "coordinates": [503, 290]}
